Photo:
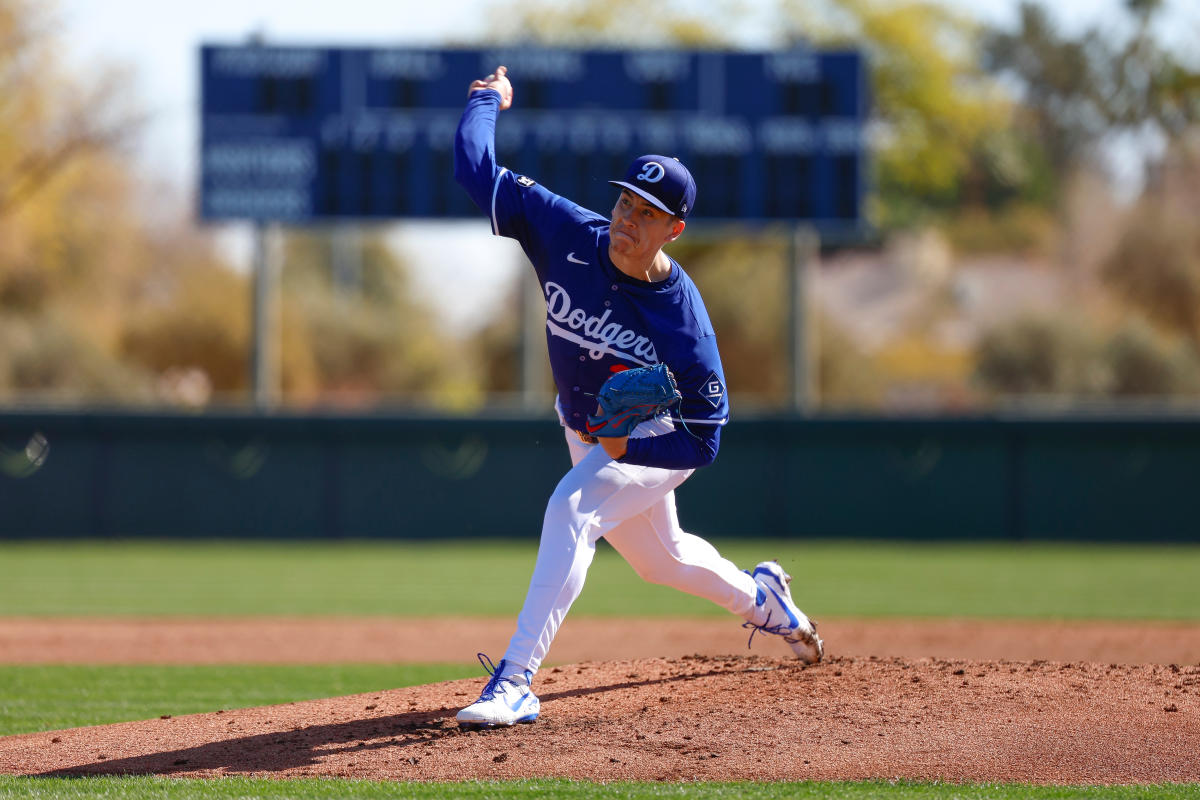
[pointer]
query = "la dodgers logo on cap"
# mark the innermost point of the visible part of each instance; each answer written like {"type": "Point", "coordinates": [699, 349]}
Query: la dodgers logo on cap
{"type": "Point", "coordinates": [663, 181]}
{"type": "Point", "coordinates": [653, 173]}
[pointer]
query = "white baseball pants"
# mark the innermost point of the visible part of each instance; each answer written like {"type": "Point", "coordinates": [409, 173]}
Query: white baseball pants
{"type": "Point", "coordinates": [633, 507]}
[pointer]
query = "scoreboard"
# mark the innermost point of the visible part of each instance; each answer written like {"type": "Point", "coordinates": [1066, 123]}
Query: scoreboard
{"type": "Point", "coordinates": [306, 134]}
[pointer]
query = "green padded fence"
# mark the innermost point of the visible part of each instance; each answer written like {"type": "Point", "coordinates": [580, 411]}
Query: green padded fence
{"type": "Point", "coordinates": [290, 476]}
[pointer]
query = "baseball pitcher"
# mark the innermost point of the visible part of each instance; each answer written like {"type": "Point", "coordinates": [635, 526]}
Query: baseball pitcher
{"type": "Point", "coordinates": [641, 397]}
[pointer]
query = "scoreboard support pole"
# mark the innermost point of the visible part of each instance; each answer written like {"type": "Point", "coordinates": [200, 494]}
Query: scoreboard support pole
{"type": "Point", "coordinates": [534, 369]}
{"type": "Point", "coordinates": [804, 352]}
{"type": "Point", "coordinates": [347, 257]}
{"type": "Point", "coordinates": [264, 362]}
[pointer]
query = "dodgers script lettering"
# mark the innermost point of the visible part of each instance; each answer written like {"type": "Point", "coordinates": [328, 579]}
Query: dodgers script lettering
{"type": "Point", "coordinates": [599, 336]}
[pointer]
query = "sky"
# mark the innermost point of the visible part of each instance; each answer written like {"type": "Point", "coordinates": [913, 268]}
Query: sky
{"type": "Point", "coordinates": [159, 43]}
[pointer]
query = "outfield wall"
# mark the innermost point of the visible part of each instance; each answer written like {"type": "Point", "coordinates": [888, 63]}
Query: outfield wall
{"type": "Point", "coordinates": [243, 475]}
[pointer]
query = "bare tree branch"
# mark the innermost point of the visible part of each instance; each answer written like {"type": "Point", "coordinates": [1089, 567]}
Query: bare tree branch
{"type": "Point", "coordinates": [101, 120]}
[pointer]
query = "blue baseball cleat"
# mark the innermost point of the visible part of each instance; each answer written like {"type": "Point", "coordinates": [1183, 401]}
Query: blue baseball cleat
{"type": "Point", "coordinates": [775, 612]}
{"type": "Point", "coordinates": [504, 701]}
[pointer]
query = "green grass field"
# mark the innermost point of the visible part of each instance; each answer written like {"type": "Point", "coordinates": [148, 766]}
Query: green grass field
{"type": "Point", "coordinates": [871, 579]}
{"type": "Point", "coordinates": [153, 788]}
{"type": "Point", "coordinates": [52, 696]}
{"type": "Point", "coordinates": [456, 578]}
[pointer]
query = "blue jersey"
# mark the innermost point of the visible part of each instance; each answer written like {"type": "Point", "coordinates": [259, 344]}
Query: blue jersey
{"type": "Point", "coordinates": [598, 319]}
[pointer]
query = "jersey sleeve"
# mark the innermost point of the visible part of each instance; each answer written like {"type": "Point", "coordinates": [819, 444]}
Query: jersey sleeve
{"type": "Point", "coordinates": [702, 411]}
{"type": "Point", "coordinates": [689, 448]}
{"type": "Point", "coordinates": [702, 384]}
{"type": "Point", "coordinates": [518, 207]}
{"type": "Point", "coordinates": [475, 166]}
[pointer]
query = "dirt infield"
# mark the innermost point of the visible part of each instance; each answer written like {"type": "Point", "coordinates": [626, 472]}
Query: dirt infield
{"type": "Point", "coordinates": [1045, 703]}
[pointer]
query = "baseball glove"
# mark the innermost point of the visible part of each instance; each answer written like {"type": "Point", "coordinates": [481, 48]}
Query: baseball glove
{"type": "Point", "coordinates": [631, 397]}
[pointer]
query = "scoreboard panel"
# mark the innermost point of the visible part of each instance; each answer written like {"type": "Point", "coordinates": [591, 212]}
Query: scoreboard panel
{"type": "Point", "coordinates": [305, 134]}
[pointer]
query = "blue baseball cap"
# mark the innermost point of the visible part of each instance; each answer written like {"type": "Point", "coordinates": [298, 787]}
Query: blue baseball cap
{"type": "Point", "coordinates": [663, 181]}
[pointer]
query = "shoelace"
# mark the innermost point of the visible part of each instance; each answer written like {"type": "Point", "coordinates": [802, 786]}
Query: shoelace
{"type": "Point", "coordinates": [766, 627]}
{"type": "Point", "coordinates": [489, 691]}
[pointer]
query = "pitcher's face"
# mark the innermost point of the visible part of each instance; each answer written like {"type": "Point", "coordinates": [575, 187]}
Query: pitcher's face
{"type": "Point", "coordinates": [638, 229]}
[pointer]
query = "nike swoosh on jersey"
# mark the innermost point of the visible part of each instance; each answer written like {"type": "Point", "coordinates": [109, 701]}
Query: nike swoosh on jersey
{"type": "Point", "coordinates": [571, 257]}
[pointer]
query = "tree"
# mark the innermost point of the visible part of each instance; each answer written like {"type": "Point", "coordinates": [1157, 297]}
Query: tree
{"type": "Point", "coordinates": [1078, 94]}
{"type": "Point", "coordinates": [938, 114]}
{"type": "Point", "coordinates": [621, 23]}
{"type": "Point", "coordinates": [70, 246]}
{"type": "Point", "coordinates": [47, 121]}
{"type": "Point", "coordinates": [193, 314]}
{"type": "Point", "coordinates": [1156, 268]}
{"type": "Point", "coordinates": [97, 302]}
{"type": "Point", "coordinates": [376, 345]}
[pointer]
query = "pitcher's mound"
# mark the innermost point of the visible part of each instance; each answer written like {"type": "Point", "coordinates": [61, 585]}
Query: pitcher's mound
{"type": "Point", "coordinates": [694, 718]}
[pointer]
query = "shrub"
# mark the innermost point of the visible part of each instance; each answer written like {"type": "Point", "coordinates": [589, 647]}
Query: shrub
{"type": "Point", "coordinates": [1042, 355]}
{"type": "Point", "coordinates": [1143, 362]}
{"type": "Point", "coordinates": [47, 358]}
